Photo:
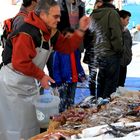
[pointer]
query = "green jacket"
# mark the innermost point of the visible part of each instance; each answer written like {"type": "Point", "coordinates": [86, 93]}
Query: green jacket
{"type": "Point", "coordinates": [107, 32]}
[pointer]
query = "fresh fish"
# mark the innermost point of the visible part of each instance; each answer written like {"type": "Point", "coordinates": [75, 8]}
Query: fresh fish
{"type": "Point", "coordinates": [88, 102]}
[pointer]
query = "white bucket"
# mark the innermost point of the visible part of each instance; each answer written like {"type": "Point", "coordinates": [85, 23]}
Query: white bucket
{"type": "Point", "coordinates": [46, 106]}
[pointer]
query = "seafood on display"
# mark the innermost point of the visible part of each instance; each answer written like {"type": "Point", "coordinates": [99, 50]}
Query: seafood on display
{"type": "Point", "coordinates": [77, 118]}
{"type": "Point", "coordinates": [110, 131]}
{"type": "Point", "coordinates": [96, 117]}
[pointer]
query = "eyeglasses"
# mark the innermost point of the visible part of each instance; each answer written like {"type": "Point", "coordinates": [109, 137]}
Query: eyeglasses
{"type": "Point", "coordinates": [55, 16]}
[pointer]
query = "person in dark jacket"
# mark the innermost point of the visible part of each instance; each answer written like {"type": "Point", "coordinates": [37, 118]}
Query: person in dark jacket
{"type": "Point", "coordinates": [18, 20]}
{"type": "Point", "coordinates": [104, 56]}
{"type": "Point", "coordinates": [67, 71]}
{"type": "Point", "coordinates": [26, 53]}
{"type": "Point", "coordinates": [71, 12]}
{"type": "Point", "coordinates": [26, 7]}
{"type": "Point", "coordinates": [127, 45]}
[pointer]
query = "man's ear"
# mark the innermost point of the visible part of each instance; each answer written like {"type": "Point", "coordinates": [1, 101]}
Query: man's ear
{"type": "Point", "coordinates": [43, 15]}
{"type": "Point", "coordinates": [121, 19]}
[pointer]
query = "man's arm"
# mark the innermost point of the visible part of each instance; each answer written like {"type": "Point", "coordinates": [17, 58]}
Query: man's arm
{"type": "Point", "coordinates": [68, 45]}
{"type": "Point", "coordinates": [22, 56]}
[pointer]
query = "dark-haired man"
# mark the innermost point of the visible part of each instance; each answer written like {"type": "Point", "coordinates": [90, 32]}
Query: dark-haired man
{"type": "Point", "coordinates": [127, 46]}
{"type": "Point", "coordinates": [30, 48]}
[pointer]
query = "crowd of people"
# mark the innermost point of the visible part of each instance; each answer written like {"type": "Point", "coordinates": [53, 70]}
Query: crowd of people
{"type": "Point", "coordinates": [55, 33]}
{"type": "Point", "coordinates": [104, 57]}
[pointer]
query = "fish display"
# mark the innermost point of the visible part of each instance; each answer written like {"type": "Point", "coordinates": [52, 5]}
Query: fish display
{"type": "Point", "coordinates": [92, 112]}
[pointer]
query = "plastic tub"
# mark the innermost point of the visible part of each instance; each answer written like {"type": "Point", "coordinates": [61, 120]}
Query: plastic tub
{"type": "Point", "coordinates": [46, 106]}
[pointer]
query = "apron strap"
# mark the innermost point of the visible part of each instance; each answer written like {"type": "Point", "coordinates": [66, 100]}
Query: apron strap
{"type": "Point", "coordinates": [50, 46]}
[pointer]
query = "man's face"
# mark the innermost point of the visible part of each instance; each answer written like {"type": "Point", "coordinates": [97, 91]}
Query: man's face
{"type": "Point", "coordinates": [125, 21]}
{"type": "Point", "coordinates": [52, 17]}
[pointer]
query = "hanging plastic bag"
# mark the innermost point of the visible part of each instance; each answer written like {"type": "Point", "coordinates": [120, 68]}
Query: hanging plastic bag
{"type": "Point", "coordinates": [46, 105]}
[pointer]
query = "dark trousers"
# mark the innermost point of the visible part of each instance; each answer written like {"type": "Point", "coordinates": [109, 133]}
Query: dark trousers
{"type": "Point", "coordinates": [108, 75]}
{"type": "Point", "coordinates": [67, 96]}
{"type": "Point", "coordinates": [122, 76]}
{"type": "Point", "coordinates": [92, 82]}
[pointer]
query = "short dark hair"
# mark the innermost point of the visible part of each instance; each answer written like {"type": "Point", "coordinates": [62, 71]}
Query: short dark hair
{"type": "Point", "coordinates": [45, 5]}
{"type": "Point", "coordinates": [124, 13]}
{"type": "Point", "coordinates": [27, 3]}
{"type": "Point", "coordinates": [106, 0]}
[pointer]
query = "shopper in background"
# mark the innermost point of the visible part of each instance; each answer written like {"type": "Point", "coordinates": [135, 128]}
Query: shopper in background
{"type": "Point", "coordinates": [71, 12]}
{"type": "Point", "coordinates": [26, 53]}
{"type": "Point", "coordinates": [127, 46]}
{"type": "Point", "coordinates": [106, 50]}
{"type": "Point", "coordinates": [14, 23]}
{"type": "Point", "coordinates": [26, 7]}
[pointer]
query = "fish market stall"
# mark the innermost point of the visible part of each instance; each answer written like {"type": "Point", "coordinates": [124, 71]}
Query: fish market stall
{"type": "Point", "coordinates": [99, 119]}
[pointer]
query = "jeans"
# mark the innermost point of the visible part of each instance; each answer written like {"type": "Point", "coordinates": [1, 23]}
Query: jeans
{"type": "Point", "coordinates": [92, 81]}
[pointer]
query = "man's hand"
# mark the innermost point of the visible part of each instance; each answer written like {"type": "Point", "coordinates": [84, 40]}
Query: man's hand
{"type": "Point", "coordinates": [45, 81]}
{"type": "Point", "coordinates": [84, 23]}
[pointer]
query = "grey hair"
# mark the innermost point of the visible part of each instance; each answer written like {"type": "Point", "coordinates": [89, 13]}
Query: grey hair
{"type": "Point", "coordinates": [44, 5]}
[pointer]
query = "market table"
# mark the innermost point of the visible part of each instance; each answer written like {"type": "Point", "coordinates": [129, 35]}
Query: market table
{"type": "Point", "coordinates": [82, 120]}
